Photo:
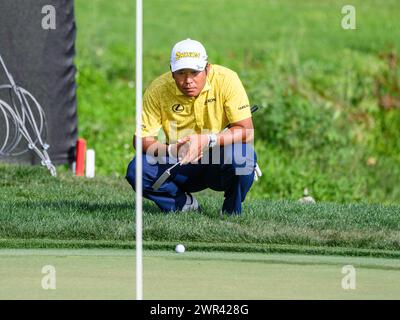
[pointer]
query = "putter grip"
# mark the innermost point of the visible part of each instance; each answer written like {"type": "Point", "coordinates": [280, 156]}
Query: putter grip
{"type": "Point", "coordinates": [254, 108]}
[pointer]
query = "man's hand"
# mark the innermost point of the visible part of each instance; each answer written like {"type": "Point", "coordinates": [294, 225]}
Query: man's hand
{"type": "Point", "coordinates": [196, 144]}
{"type": "Point", "coordinates": [178, 150]}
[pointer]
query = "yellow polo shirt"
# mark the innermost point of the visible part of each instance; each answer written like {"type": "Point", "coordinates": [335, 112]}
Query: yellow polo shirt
{"type": "Point", "coordinates": [223, 100]}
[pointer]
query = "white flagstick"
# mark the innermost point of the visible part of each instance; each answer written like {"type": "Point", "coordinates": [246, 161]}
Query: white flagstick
{"type": "Point", "coordinates": [139, 254]}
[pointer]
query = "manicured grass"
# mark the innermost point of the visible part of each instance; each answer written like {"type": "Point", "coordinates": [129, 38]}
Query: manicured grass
{"type": "Point", "coordinates": [36, 209]}
{"type": "Point", "coordinates": [110, 274]}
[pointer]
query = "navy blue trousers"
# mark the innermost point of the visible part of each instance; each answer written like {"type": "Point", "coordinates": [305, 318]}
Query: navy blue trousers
{"type": "Point", "coordinates": [229, 169]}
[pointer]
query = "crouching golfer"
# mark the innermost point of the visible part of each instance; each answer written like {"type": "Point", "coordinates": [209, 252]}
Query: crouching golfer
{"type": "Point", "coordinates": [205, 115]}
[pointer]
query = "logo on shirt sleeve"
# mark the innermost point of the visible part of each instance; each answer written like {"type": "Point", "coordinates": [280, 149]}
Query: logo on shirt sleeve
{"type": "Point", "coordinates": [244, 107]}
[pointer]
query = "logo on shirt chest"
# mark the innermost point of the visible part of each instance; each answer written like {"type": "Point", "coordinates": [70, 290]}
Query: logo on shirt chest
{"type": "Point", "coordinates": [178, 108]}
{"type": "Point", "coordinates": [210, 100]}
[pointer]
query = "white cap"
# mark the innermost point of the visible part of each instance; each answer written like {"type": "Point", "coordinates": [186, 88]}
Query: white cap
{"type": "Point", "coordinates": [188, 54]}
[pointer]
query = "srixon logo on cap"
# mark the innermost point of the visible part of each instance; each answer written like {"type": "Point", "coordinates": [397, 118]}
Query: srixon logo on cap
{"type": "Point", "coordinates": [180, 55]}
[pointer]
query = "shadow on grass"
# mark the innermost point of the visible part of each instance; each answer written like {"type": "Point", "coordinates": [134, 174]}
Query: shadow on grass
{"type": "Point", "coordinates": [82, 206]}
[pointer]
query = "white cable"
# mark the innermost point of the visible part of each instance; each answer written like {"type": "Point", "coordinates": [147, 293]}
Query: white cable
{"type": "Point", "coordinates": [139, 209]}
{"type": "Point", "coordinates": [22, 117]}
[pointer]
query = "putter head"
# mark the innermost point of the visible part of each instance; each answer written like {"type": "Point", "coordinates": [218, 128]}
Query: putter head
{"type": "Point", "coordinates": [164, 177]}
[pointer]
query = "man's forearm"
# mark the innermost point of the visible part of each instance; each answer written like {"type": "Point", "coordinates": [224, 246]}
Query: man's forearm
{"type": "Point", "coordinates": [150, 144]}
{"type": "Point", "coordinates": [235, 134]}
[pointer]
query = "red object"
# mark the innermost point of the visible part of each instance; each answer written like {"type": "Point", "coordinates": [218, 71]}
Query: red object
{"type": "Point", "coordinates": [80, 157]}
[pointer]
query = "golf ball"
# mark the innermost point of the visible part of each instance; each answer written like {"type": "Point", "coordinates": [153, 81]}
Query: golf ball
{"type": "Point", "coordinates": [180, 248]}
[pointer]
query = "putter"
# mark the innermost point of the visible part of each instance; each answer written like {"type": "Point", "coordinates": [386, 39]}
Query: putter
{"type": "Point", "coordinates": [167, 173]}
{"type": "Point", "coordinates": [163, 177]}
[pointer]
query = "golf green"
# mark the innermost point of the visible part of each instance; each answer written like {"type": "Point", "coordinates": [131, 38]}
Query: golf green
{"type": "Point", "coordinates": [110, 274]}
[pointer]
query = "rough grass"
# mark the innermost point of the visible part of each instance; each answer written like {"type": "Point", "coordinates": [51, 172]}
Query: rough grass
{"type": "Point", "coordinates": [38, 210]}
{"type": "Point", "coordinates": [315, 81]}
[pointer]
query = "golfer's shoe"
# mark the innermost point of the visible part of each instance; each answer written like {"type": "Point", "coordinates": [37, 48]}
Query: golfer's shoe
{"type": "Point", "coordinates": [257, 172]}
{"type": "Point", "coordinates": [191, 203]}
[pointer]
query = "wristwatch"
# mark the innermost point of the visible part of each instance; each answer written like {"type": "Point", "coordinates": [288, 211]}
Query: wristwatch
{"type": "Point", "coordinates": [212, 140]}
